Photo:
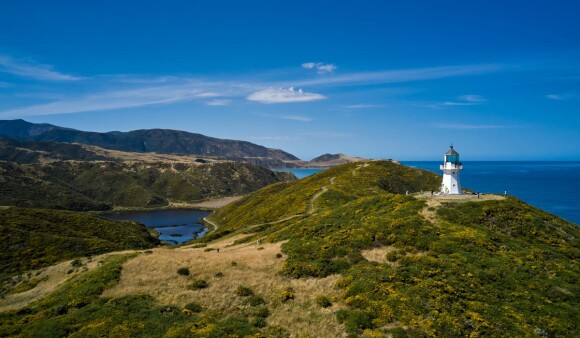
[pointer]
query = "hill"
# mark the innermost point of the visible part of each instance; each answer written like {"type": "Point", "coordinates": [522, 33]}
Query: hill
{"type": "Point", "coordinates": [105, 185]}
{"type": "Point", "coordinates": [36, 238]}
{"type": "Point", "coordinates": [37, 152]}
{"type": "Point", "coordinates": [419, 266]}
{"type": "Point", "coordinates": [329, 160]}
{"type": "Point", "coordinates": [345, 252]}
{"type": "Point", "coordinates": [149, 140]}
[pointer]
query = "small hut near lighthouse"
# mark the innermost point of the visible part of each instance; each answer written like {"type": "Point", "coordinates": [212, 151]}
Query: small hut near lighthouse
{"type": "Point", "coordinates": [451, 167]}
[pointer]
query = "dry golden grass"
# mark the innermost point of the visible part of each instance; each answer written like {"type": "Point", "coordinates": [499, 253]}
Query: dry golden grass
{"type": "Point", "coordinates": [255, 267]}
{"type": "Point", "coordinates": [378, 255]}
{"type": "Point", "coordinates": [55, 275]}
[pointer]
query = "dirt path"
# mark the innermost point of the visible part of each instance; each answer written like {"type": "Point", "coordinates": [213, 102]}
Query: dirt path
{"type": "Point", "coordinates": [435, 201]}
{"type": "Point", "coordinates": [311, 210]}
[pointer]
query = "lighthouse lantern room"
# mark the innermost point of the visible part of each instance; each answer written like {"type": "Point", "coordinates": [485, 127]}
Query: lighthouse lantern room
{"type": "Point", "coordinates": [451, 167]}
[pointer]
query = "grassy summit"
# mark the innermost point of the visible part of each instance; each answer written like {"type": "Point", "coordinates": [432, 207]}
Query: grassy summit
{"type": "Point", "coordinates": [457, 268]}
{"type": "Point", "coordinates": [359, 258]}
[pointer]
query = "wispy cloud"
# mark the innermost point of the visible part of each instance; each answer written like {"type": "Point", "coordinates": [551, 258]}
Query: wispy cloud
{"type": "Point", "coordinates": [320, 67]}
{"type": "Point", "coordinates": [282, 95]}
{"type": "Point", "coordinates": [561, 97]}
{"type": "Point", "coordinates": [469, 126]}
{"type": "Point", "coordinates": [218, 102]}
{"type": "Point", "coordinates": [471, 98]}
{"type": "Point", "coordinates": [403, 75]}
{"type": "Point", "coordinates": [463, 100]}
{"type": "Point", "coordinates": [110, 100]}
{"type": "Point", "coordinates": [299, 118]}
{"type": "Point", "coordinates": [33, 70]}
{"type": "Point", "coordinates": [363, 106]}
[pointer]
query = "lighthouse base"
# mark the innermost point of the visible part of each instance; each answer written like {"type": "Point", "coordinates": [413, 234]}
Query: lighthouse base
{"type": "Point", "coordinates": [451, 184]}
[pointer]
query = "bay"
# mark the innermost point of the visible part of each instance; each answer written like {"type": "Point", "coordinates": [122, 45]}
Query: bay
{"type": "Point", "coordinates": [301, 172]}
{"type": "Point", "coordinates": [549, 185]}
{"type": "Point", "coordinates": [174, 225]}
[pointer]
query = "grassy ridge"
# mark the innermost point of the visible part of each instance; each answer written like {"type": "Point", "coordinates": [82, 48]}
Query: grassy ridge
{"type": "Point", "coordinates": [104, 185]}
{"type": "Point", "coordinates": [487, 268]}
{"type": "Point", "coordinates": [349, 181]}
{"type": "Point", "coordinates": [35, 238]}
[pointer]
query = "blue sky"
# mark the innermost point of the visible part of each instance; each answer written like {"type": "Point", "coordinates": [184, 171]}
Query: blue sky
{"type": "Point", "coordinates": [382, 79]}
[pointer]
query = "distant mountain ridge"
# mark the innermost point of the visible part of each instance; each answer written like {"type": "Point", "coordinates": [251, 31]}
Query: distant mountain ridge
{"type": "Point", "coordinates": [329, 160]}
{"type": "Point", "coordinates": [146, 140]}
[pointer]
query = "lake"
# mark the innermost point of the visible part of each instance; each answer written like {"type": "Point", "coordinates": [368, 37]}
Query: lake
{"type": "Point", "coordinates": [550, 186]}
{"type": "Point", "coordinates": [174, 226]}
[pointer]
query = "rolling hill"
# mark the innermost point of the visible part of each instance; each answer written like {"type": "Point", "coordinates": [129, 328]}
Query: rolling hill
{"type": "Point", "coordinates": [36, 238]}
{"type": "Point", "coordinates": [84, 186]}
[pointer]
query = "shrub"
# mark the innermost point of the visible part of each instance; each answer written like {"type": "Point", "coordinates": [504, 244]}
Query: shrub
{"type": "Point", "coordinates": [354, 320]}
{"type": "Point", "coordinates": [392, 256]}
{"type": "Point", "coordinates": [76, 263]}
{"type": "Point", "coordinates": [287, 294]}
{"type": "Point", "coordinates": [261, 311]}
{"type": "Point", "coordinates": [323, 301]}
{"type": "Point", "coordinates": [218, 274]}
{"type": "Point", "coordinates": [234, 263]}
{"type": "Point", "coordinates": [198, 284]}
{"type": "Point", "coordinates": [258, 322]}
{"type": "Point", "coordinates": [243, 291]}
{"type": "Point", "coordinates": [183, 271]}
{"type": "Point", "coordinates": [193, 307]}
{"type": "Point", "coordinates": [255, 300]}
{"type": "Point", "coordinates": [279, 255]}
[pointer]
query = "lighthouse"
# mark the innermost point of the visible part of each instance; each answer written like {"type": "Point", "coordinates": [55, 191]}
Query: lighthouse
{"type": "Point", "coordinates": [451, 168]}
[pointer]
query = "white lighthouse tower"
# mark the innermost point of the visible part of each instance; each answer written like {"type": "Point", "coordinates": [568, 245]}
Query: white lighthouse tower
{"type": "Point", "coordinates": [451, 168]}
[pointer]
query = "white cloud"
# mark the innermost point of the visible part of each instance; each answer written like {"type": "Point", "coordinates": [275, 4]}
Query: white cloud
{"type": "Point", "coordinates": [402, 75]}
{"type": "Point", "coordinates": [110, 100]}
{"type": "Point", "coordinates": [29, 69]}
{"type": "Point", "coordinates": [464, 100]}
{"type": "Point", "coordinates": [472, 98]}
{"type": "Point", "coordinates": [218, 102]}
{"type": "Point", "coordinates": [282, 95]}
{"type": "Point", "coordinates": [207, 94]}
{"type": "Point", "coordinates": [560, 97]}
{"type": "Point", "coordinates": [300, 118]}
{"type": "Point", "coordinates": [296, 118]}
{"type": "Point", "coordinates": [469, 126]}
{"type": "Point", "coordinates": [320, 67]}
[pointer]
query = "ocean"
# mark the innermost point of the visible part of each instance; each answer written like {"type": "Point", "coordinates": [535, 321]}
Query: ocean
{"type": "Point", "coordinates": [551, 186]}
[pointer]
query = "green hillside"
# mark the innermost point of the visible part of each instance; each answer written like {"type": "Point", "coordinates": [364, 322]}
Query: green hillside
{"type": "Point", "coordinates": [359, 257]}
{"type": "Point", "coordinates": [105, 185]}
{"type": "Point", "coordinates": [35, 238]}
{"type": "Point", "coordinates": [447, 267]}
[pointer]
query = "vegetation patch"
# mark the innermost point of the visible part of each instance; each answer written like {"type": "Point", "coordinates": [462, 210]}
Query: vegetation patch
{"type": "Point", "coordinates": [36, 238]}
{"type": "Point", "coordinates": [198, 284]}
{"type": "Point", "coordinates": [183, 271]}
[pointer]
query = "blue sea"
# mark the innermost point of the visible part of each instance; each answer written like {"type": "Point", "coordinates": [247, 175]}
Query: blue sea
{"type": "Point", "coordinates": [550, 186]}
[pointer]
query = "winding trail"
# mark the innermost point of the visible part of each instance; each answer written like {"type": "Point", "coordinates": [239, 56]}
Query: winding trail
{"type": "Point", "coordinates": [311, 210]}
